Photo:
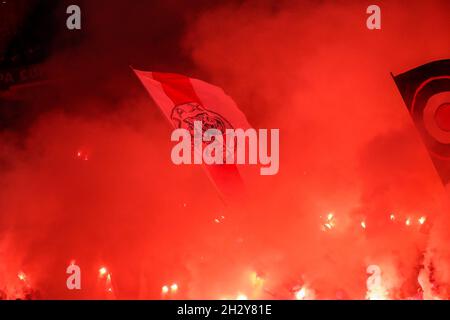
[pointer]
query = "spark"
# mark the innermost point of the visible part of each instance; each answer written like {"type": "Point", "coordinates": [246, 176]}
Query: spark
{"type": "Point", "coordinates": [219, 219]}
{"type": "Point", "coordinates": [174, 287]}
{"type": "Point", "coordinates": [329, 224]}
{"type": "Point", "coordinates": [301, 294]}
{"type": "Point", "coordinates": [304, 293]}
{"type": "Point", "coordinates": [165, 289]}
{"type": "Point", "coordinates": [422, 220]}
{"type": "Point", "coordinates": [82, 155]}
{"type": "Point", "coordinates": [256, 280]}
{"type": "Point", "coordinates": [408, 222]}
{"type": "Point", "coordinates": [102, 271]}
{"type": "Point", "coordinates": [109, 287]}
{"type": "Point", "coordinates": [377, 294]}
{"type": "Point", "coordinates": [392, 217]}
{"type": "Point", "coordinates": [22, 276]}
{"type": "Point", "coordinates": [363, 224]}
{"type": "Point", "coordinates": [241, 296]}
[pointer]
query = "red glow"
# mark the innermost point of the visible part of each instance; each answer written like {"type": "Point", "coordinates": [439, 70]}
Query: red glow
{"type": "Point", "coordinates": [91, 178]}
{"type": "Point", "coordinates": [443, 116]}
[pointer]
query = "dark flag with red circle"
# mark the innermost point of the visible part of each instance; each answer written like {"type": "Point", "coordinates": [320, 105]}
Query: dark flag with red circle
{"type": "Point", "coordinates": [426, 92]}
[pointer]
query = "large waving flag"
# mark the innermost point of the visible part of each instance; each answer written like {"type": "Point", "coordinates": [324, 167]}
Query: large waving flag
{"type": "Point", "coordinates": [426, 92]}
{"type": "Point", "coordinates": [184, 100]}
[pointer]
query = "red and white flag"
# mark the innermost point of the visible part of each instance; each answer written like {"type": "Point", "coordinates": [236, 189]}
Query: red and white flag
{"type": "Point", "coordinates": [184, 100]}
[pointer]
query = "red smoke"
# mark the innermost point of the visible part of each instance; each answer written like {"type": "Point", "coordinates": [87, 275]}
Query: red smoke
{"type": "Point", "coordinates": [90, 179]}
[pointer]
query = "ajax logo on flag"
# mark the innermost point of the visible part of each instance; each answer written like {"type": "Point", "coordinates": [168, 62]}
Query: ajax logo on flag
{"type": "Point", "coordinates": [208, 125]}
